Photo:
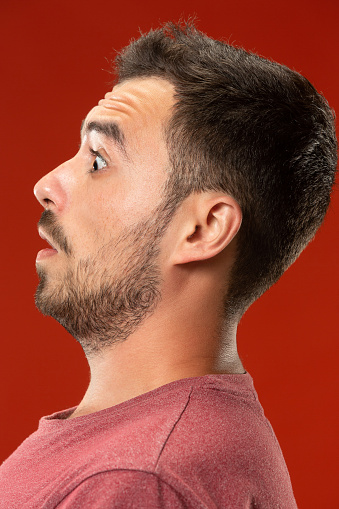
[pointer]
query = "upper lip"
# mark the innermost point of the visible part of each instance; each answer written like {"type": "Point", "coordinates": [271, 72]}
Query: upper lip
{"type": "Point", "coordinates": [43, 236]}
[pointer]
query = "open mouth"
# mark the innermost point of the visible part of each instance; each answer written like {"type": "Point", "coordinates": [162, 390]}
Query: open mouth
{"type": "Point", "coordinates": [44, 253]}
{"type": "Point", "coordinates": [43, 236]}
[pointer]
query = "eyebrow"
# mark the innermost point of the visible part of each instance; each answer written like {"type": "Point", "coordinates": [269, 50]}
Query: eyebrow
{"type": "Point", "coordinates": [110, 130]}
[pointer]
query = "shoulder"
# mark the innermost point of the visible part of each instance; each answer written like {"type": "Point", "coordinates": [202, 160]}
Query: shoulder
{"type": "Point", "coordinates": [223, 444]}
{"type": "Point", "coordinates": [218, 418]}
{"type": "Point", "coordinates": [227, 408]}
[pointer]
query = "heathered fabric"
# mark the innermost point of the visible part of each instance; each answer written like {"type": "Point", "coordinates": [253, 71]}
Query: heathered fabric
{"type": "Point", "coordinates": [194, 443]}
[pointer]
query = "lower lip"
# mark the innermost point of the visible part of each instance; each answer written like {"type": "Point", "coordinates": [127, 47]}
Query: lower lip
{"type": "Point", "coordinates": [45, 253]}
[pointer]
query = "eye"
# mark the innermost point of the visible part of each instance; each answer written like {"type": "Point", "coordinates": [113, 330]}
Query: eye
{"type": "Point", "coordinates": [99, 162]}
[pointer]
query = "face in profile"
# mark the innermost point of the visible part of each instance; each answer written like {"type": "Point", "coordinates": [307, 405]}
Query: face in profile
{"type": "Point", "coordinates": [105, 216]}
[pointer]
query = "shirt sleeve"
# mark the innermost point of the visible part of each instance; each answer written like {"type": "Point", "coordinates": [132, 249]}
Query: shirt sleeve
{"type": "Point", "coordinates": [123, 489]}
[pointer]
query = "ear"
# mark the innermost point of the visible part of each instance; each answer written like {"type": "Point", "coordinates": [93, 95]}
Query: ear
{"type": "Point", "coordinates": [208, 224]}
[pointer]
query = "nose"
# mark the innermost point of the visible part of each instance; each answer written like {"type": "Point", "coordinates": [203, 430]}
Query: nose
{"type": "Point", "coordinates": [50, 190]}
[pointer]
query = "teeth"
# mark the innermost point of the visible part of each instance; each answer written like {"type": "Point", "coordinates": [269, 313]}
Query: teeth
{"type": "Point", "coordinates": [44, 238]}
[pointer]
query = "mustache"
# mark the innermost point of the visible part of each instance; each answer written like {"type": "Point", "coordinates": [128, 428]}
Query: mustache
{"type": "Point", "coordinates": [48, 222]}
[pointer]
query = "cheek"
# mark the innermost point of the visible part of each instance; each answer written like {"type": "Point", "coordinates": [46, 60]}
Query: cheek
{"type": "Point", "coordinates": [115, 203]}
{"type": "Point", "coordinates": [132, 201]}
{"type": "Point", "coordinates": [144, 191]}
{"type": "Point", "coordinates": [92, 226]}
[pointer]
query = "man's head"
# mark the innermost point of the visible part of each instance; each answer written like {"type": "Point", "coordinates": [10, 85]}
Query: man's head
{"type": "Point", "coordinates": [191, 120]}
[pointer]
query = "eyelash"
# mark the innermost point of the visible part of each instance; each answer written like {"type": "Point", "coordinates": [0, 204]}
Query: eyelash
{"type": "Point", "coordinates": [96, 154]}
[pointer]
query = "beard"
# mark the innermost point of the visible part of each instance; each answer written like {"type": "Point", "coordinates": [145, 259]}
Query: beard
{"type": "Point", "coordinates": [102, 300]}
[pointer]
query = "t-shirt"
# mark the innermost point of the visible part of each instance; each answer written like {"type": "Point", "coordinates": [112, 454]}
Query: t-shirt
{"type": "Point", "coordinates": [195, 443]}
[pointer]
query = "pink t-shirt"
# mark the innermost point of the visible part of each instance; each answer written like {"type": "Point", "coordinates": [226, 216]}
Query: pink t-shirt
{"type": "Point", "coordinates": [194, 443]}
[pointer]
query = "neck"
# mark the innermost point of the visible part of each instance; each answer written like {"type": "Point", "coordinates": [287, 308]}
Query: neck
{"type": "Point", "coordinates": [161, 351]}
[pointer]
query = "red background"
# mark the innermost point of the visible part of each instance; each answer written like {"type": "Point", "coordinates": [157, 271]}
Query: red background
{"type": "Point", "coordinates": [54, 60]}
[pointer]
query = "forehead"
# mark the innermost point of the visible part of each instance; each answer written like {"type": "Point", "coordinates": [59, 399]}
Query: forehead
{"type": "Point", "coordinates": [140, 102]}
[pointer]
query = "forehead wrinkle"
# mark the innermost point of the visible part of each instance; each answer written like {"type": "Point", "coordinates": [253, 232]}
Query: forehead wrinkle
{"type": "Point", "coordinates": [126, 102]}
{"type": "Point", "coordinates": [138, 99]}
{"type": "Point", "coordinates": [117, 105]}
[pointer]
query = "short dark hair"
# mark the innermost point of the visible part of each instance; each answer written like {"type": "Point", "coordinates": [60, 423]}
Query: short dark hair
{"type": "Point", "coordinates": [249, 127]}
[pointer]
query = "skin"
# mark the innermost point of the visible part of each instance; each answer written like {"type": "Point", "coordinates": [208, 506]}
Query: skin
{"type": "Point", "coordinates": [185, 335]}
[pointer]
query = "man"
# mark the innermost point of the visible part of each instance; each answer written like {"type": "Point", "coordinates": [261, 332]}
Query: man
{"type": "Point", "coordinates": [200, 178]}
